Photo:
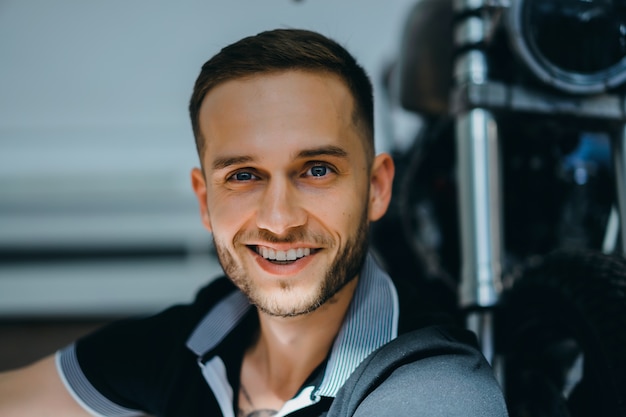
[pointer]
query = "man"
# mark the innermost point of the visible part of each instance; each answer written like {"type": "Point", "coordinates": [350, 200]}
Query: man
{"type": "Point", "coordinates": [288, 185]}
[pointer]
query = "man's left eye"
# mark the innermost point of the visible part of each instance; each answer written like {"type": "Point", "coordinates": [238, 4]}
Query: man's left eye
{"type": "Point", "coordinates": [318, 171]}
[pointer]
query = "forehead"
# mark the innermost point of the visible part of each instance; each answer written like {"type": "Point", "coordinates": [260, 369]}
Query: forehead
{"type": "Point", "coordinates": [282, 110]}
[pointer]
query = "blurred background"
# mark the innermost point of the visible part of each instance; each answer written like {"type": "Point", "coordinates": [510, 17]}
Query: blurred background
{"type": "Point", "coordinates": [97, 217]}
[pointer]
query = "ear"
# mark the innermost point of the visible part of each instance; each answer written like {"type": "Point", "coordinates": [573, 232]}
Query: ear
{"type": "Point", "coordinates": [199, 188]}
{"type": "Point", "coordinates": [381, 183]}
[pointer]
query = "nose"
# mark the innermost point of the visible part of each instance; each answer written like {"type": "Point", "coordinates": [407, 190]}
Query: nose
{"type": "Point", "coordinates": [280, 207]}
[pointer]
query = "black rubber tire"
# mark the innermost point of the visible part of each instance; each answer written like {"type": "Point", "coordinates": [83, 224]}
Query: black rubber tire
{"type": "Point", "coordinates": [568, 305]}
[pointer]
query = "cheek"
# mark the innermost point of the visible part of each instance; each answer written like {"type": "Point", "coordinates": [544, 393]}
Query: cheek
{"type": "Point", "coordinates": [227, 213]}
{"type": "Point", "coordinates": [341, 211]}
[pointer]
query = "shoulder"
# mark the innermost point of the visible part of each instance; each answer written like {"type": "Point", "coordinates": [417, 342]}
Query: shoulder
{"type": "Point", "coordinates": [134, 363]}
{"type": "Point", "coordinates": [434, 371]}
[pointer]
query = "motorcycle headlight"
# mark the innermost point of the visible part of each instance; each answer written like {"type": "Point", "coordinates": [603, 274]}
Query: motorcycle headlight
{"type": "Point", "coordinates": [577, 46]}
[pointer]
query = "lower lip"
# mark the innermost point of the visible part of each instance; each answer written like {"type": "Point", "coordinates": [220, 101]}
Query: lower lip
{"type": "Point", "coordinates": [283, 269]}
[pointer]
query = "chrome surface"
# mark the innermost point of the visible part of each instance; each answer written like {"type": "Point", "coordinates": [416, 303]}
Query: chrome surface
{"type": "Point", "coordinates": [479, 207]}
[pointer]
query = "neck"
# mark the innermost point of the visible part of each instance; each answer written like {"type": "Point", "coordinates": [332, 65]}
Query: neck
{"type": "Point", "coordinates": [289, 349]}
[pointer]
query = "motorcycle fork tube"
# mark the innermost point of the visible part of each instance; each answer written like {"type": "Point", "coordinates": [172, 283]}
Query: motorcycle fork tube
{"type": "Point", "coordinates": [619, 167]}
{"type": "Point", "coordinates": [479, 193]}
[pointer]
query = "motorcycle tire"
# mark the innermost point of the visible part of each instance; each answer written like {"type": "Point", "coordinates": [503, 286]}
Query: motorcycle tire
{"type": "Point", "coordinates": [561, 335]}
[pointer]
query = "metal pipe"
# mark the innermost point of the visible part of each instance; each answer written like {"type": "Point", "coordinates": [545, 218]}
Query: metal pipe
{"type": "Point", "coordinates": [619, 164]}
{"type": "Point", "coordinates": [479, 208]}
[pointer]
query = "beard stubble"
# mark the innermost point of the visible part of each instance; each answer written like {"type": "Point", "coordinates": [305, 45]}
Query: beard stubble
{"type": "Point", "coordinates": [344, 268]}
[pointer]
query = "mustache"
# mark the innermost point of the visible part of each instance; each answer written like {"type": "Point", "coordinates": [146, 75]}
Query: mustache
{"type": "Point", "coordinates": [299, 235]}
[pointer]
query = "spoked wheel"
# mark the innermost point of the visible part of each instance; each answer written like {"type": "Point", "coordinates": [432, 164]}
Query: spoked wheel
{"type": "Point", "coordinates": [562, 336]}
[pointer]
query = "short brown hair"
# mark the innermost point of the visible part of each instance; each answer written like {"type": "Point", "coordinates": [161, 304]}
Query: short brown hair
{"type": "Point", "coordinates": [281, 50]}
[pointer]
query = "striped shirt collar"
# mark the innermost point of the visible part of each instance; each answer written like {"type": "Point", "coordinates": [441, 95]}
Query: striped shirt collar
{"type": "Point", "coordinates": [371, 321]}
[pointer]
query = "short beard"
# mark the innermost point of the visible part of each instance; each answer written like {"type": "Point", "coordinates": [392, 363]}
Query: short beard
{"type": "Point", "coordinates": [345, 267]}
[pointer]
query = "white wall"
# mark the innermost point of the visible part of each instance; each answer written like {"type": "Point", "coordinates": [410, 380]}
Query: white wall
{"type": "Point", "coordinates": [95, 143]}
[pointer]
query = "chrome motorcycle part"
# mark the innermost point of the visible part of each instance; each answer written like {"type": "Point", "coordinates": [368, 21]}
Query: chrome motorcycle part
{"type": "Point", "coordinates": [479, 208]}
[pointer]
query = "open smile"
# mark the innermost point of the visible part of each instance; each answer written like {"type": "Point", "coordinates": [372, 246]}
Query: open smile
{"type": "Point", "coordinates": [283, 256]}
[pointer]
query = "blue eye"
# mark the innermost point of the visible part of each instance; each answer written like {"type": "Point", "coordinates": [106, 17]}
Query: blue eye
{"type": "Point", "coordinates": [319, 170]}
{"type": "Point", "coordinates": [243, 176]}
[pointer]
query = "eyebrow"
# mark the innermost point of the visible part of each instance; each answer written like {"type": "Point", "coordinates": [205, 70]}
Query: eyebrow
{"type": "Point", "coordinates": [323, 151]}
{"type": "Point", "coordinates": [221, 163]}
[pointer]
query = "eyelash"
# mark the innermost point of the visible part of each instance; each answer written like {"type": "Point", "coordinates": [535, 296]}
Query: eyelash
{"type": "Point", "coordinates": [233, 177]}
{"type": "Point", "coordinates": [329, 170]}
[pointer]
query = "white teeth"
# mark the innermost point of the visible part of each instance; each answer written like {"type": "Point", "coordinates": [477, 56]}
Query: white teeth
{"type": "Point", "coordinates": [280, 255]}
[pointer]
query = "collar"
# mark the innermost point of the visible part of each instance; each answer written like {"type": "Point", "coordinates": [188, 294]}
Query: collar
{"type": "Point", "coordinates": [371, 321]}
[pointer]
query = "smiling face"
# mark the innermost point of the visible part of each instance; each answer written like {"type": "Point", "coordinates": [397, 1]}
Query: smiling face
{"type": "Point", "coordinates": [287, 190]}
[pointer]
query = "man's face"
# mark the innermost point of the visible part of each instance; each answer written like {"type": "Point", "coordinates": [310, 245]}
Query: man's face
{"type": "Point", "coordinates": [286, 189]}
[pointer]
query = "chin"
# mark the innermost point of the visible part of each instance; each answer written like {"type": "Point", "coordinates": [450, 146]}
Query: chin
{"type": "Point", "coordinates": [289, 303]}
